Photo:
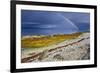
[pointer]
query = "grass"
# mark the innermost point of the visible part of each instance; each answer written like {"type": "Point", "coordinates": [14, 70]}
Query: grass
{"type": "Point", "coordinates": [45, 41]}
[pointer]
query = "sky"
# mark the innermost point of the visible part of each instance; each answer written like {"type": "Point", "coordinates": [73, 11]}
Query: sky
{"type": "Point", "coordinates": [50, 22]}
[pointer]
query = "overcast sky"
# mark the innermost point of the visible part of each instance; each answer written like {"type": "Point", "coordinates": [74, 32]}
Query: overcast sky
{"type": "Point", "coordinates": [47, 22]}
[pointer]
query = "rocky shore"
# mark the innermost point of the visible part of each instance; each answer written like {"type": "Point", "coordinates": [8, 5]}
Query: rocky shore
{"type": "Point", "coordinates": [75, 49]}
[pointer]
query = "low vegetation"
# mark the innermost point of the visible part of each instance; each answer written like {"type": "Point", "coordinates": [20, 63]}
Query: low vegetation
{"type": "Point", "coordinates": [33, 42]}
